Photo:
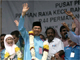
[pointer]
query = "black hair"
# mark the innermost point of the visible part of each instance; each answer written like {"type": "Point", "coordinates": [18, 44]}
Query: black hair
{"type": "Point", "coordinates": [2, 35]}
{"type": "Point", "coordinates": [16, 33]}
{"type": "Point", "coordinates": [48, 29]}
{"type": "Point", "coordinates": [43, 36]}
{"type": "Point", "coordinates": [61, 52]}
{"type": "Point", "coordinates": [62, 27]}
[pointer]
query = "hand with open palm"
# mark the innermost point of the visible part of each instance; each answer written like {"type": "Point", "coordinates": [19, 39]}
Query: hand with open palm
{"type": "Point", "coordinates": [64, 24]}
{"type": "Point", "coordinates": [73, 25]}
{"type": "Point", "coordinates": [25, 9]}
{"type": "Point", "coordinates": [16, 22]}
{"type": "Point", "coordinates": [68, 13]}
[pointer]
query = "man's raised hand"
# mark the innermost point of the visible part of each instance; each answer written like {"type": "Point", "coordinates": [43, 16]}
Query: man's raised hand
{"type": "Point", "coordinates": [64, 24]}
{"type": "Point", "coordinates": [68, 13]}
{"type": "Point", "coordinates": [73, 25]}
{"type": "Point", "coordinates": [16, 22]}
{"type": "Point", "coordinates": [25, 9]}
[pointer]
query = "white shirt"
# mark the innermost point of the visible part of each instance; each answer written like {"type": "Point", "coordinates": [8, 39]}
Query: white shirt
{"type": "Point", "coordinates": [55, 46]}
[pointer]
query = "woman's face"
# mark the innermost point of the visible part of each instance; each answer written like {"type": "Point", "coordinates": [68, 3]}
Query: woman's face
{"type": "Point", "coordinates": [9, 41]}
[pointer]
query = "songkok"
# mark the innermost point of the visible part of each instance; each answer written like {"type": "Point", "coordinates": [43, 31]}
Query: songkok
{"type": "Point", "coordinates": [37, 23]}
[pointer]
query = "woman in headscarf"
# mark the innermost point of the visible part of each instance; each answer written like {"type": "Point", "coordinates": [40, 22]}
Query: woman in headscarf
{"type": "Point", "coordinates": [11, 49]}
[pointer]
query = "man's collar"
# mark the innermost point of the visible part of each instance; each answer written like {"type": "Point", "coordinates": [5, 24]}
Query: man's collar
{"type": "Point", "coordinates": [63, 39]}
{"type": "Point", "coordinates": [51, 41]}
{"type": "Point", "coordinates": [74, 45]}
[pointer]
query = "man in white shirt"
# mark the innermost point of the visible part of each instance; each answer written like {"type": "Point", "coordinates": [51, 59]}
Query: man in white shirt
{"type": "Point", "coordinates": [55, 44]}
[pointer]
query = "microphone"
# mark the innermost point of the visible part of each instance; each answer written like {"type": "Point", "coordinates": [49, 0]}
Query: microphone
{"type": "Point", "coordinates": [66, 35]}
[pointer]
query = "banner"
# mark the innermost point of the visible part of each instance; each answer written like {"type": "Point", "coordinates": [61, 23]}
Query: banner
{"type": "Point", "coordinates": [50, 13]}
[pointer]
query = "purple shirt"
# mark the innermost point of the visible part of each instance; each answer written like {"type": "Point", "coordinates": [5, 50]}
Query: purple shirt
{"type": "Point", "coordinates": [65, 42]}
{"type": "Point", "coordinates": [74, 38]}
{"type": "Point", "coordinates": [77, 31]}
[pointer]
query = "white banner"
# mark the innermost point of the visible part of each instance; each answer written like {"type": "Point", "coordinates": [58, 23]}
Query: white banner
{"type": "Point", "coordinates": [50, 13]}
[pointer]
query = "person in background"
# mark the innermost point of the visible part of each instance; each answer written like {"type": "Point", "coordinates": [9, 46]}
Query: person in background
{"type": "Point", "coordinates": [42, 37]}
{"type": "Point", "coordinates": [15, 35]}
{"type": "Point", "coordinates": [64, 36]}
{"type": "Point", "coordinates": [72, 52]}
{"type": "Point", "coordinates": [2, 48]}
{"type": "Point", "coordinates": [74, 38]}
{"type": "Point", "coordinates": [77, 23]}
{"type": "Point", "coordinates": [20, 39]}
{"type": "Point", "coordinates": [2, 41]}
{"type": "Point", "coordinates": [55, 44]}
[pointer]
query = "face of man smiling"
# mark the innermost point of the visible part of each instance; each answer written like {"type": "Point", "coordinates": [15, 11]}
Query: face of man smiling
{"type": "Point", "coordinates": [36, 30]}
{"type": "Point", "coordinates": [63, 33]}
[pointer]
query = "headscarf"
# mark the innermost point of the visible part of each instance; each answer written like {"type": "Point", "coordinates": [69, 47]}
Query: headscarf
{"type": "Point", "coordinates": [9, 49]}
